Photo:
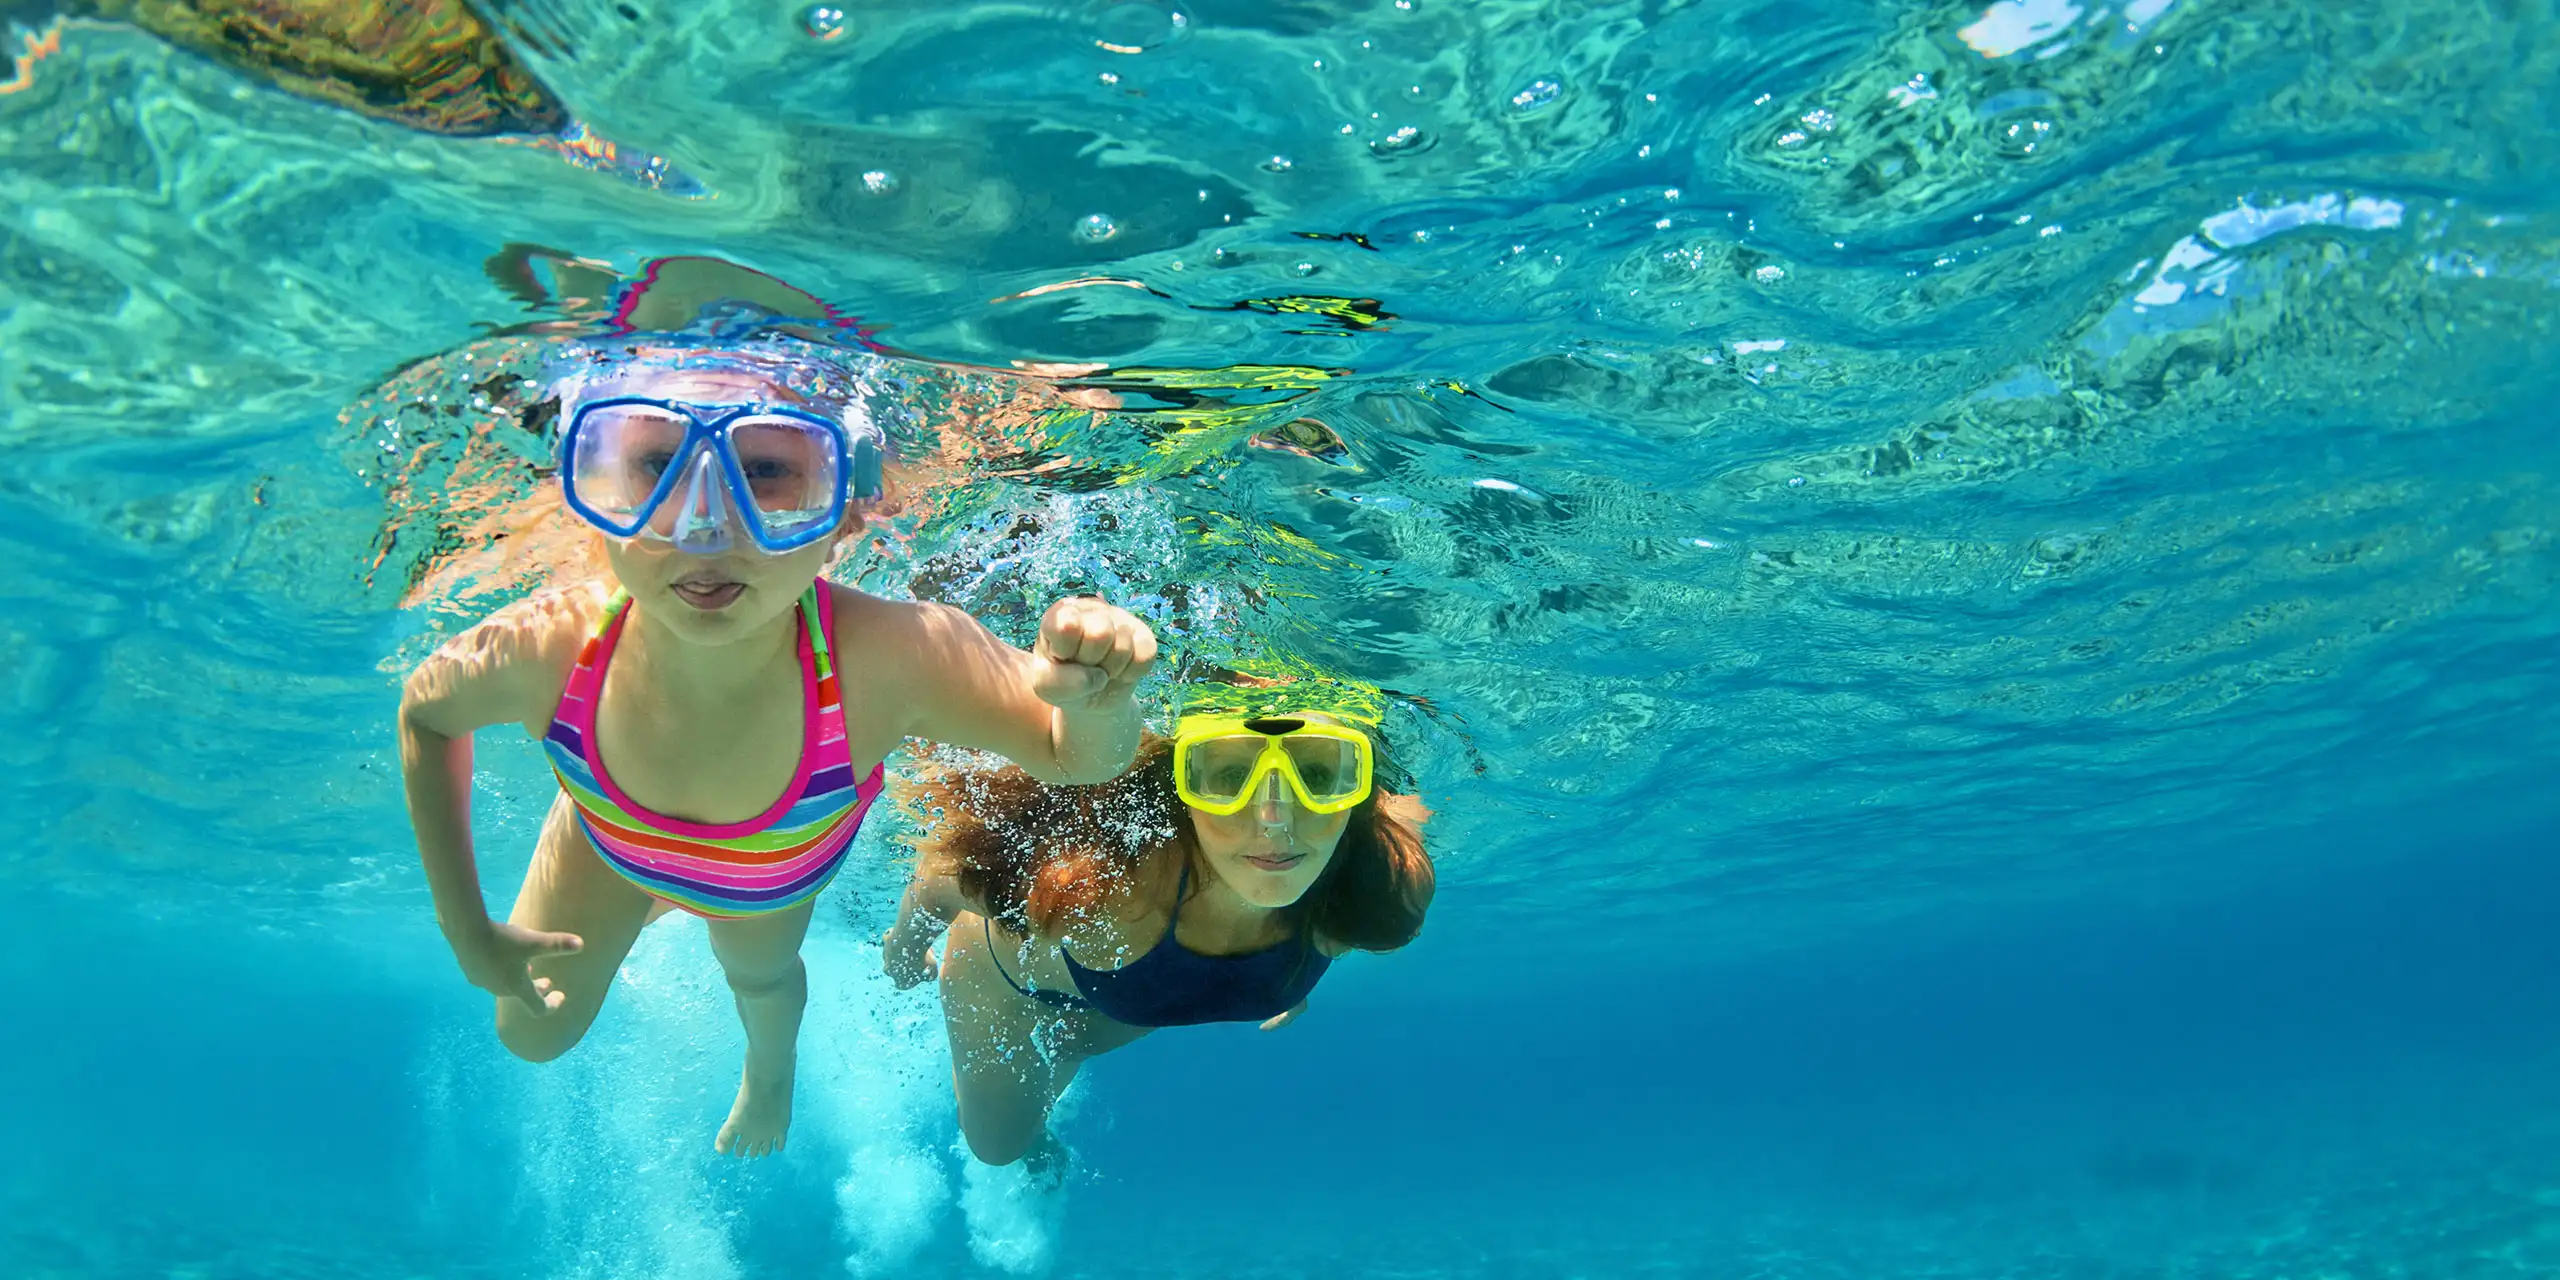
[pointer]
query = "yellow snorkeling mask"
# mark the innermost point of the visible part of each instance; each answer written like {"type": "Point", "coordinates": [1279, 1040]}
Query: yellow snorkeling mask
{"type": "Point", "coordinates": [1221, 761]}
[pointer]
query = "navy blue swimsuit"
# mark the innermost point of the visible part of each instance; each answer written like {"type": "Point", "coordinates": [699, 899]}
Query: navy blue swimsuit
{"type": "Point", "coordinates": [1175, 986]}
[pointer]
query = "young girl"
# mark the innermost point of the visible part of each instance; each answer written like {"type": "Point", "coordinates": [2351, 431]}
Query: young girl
{"type": "Point", "coordinates": [717, 715]}
{"type": "Point", "coordinates": [1214, 882]}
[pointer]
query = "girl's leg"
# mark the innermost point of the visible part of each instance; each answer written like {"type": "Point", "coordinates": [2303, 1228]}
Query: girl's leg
{"type": "Point", "coordinates": [1010, 1058]}
{"type": "Point", "coordinates": [761, 956]}
{"type": "Point", "coordinates": [569, 889]}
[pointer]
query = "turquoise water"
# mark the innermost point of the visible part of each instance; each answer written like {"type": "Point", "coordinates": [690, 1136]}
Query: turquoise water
{"type": "Point", "coordinates": [1973, 588]}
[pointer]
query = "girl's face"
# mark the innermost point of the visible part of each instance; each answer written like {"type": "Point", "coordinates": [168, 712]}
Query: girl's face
{"type": "Point", "coordinates": [714, 599]}
{"type": "Point", "coordinates": [1269, 852]}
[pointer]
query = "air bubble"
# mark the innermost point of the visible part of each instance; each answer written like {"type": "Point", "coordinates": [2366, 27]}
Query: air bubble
{"type": "Point", "coordinates": [1769, 275]}
{"type": "Point", "coordinates": [1136, 27]}
{"type": "Point", "coordinates": [1278, 164]}
{"type": "Point", "coordinates": [1305, 269]}
{"type": "Point", "coordinates": [1795, 482]}
{"type": "Point", "coordinates": [1094, 228]}
{"type": "Point", "coordinates": [879, 182]}
{"type": "Point", "coordinates": [1405, 138]}
{"type": "Point", "coordinates": [1540, 95]}
{"type": "Point", "coordinates": [822, 22]}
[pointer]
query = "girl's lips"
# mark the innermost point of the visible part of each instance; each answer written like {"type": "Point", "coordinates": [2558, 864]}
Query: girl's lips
{"type": "Point", "coordinates": [1281, 862]}
{"type": "Point", "coordinates": [710, 597]}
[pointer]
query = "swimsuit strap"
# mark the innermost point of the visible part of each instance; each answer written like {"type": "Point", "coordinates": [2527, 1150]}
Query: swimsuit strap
{"type": "Point", "coordinates": [1173, 918]}
{"type": "Point", "coordinates": [818, 613]}
{"type": "Point", "coordinates": [1043, 995]}
{"type": "Point", "coordinates": [575, 715]}
{"type": "Point", "coordinates": [613, 607]}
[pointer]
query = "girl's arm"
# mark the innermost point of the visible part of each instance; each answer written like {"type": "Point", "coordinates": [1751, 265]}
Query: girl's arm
{"type": "Point", "coordinates": [1064, 711]}
{"type": "Point", "coordinates": [505, 669]}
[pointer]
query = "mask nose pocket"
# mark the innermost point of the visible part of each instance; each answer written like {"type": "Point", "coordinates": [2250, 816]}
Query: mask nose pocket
{"type": "Point", "coordinates": [1270, 807]}
{"type": "Point", "coordinates": [702, 508]}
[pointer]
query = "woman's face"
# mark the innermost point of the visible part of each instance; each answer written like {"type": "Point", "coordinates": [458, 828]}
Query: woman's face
{"type": "Point", "coordinates": [1269, 852]}
{"type": "Point", "coordinates": [717, 598]}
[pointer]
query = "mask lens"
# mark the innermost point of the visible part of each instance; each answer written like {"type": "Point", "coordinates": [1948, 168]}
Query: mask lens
{"type": "Point", "coordinates": [794, 471]}
{"type": "Point", "coordinates": [1329, 768]}
{"type": "Point", "coordinates": [1218, 769]}
{"type": "Point", "coordinates": [622, 453]}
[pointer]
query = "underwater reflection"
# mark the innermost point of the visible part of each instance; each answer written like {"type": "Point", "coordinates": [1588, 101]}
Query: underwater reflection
{"type": "Point", "coordinates": [462, 443]}
{"type": "Point", "coordinates": [436, 66]}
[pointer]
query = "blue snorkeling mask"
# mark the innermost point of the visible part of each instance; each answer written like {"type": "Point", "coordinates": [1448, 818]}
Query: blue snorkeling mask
{"type": "Point", "coordinates": [698, 476]}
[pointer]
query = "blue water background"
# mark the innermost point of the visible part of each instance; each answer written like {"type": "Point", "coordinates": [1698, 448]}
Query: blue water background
{"type": "Point", "coordinates": [2020, 780]}
{"type": "Point", "coordinates": [2349, 1069]}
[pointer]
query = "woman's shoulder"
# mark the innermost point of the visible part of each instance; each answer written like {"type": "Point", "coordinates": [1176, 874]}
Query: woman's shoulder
{"type": "Point", "coordinates": [1131, 910]}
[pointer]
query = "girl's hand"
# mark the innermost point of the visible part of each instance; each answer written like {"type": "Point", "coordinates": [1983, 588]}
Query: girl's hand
{"type": "Point", "coordinates": [497, 957]}
{"type": "Point", "coordinates": [1096, 652]}
{"type": "Point", "coordinates": [906, 955]}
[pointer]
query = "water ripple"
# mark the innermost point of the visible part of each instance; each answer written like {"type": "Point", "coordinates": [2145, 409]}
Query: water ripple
{"type": "Point", "coordinates": [1789, 467]}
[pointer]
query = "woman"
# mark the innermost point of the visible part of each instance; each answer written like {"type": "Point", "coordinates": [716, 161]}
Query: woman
{"type": "Point", "coordinates": [1213, 882]}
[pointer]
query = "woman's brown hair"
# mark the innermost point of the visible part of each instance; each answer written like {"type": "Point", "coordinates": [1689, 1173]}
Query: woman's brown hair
{"type": "Point", "coordinates": [1039, 856]}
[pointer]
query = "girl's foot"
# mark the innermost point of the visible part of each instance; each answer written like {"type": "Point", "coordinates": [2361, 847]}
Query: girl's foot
{"type": "Point", "coordinates": [758, 1120]}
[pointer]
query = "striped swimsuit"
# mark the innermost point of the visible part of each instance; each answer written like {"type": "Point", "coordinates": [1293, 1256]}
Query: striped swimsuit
{"type": "Point", "coordinates": [772, 862]}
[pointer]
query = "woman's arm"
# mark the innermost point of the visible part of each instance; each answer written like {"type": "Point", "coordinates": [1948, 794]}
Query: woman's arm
{"type": "Point", "coordinates": [932, 901]}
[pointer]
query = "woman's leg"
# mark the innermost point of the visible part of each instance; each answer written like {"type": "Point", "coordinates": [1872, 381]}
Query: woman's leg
{"type": "Point", "coordinates": [569, 889]}
{"type": "Point", "coordinates": [761, 956]}
{"type": "Point", "coordinates": [1010, 1057]}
